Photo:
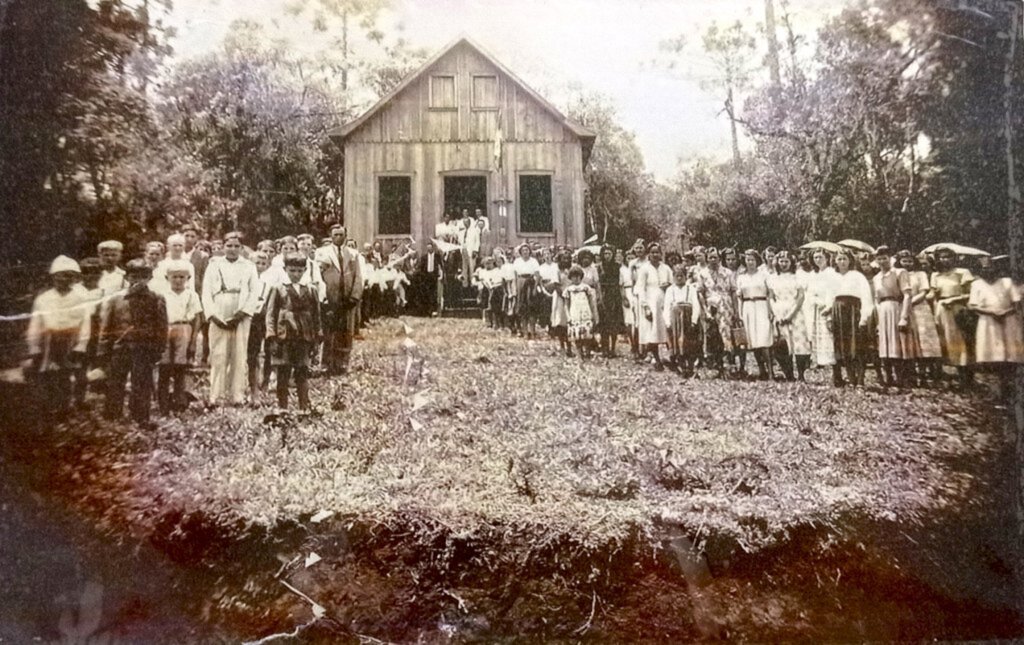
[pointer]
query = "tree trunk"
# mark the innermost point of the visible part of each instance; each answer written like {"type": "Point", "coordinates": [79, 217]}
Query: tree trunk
{"type": "Point", "coordinates": [773, 43]}
{"type": "Point", "coordinates": [344, 52]}
{"type": "Point", "coordinates": [730, 110]}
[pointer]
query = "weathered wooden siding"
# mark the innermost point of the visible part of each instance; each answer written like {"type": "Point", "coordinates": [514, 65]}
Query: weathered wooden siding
{"type": "Point", "coordinates": [407, 137]}
{"type": "Point", "coordinates": [408, 116]}
{"type": "Point", "coordinates": [428, 163]}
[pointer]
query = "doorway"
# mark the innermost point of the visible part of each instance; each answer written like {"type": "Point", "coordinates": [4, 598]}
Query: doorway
{"type": "Point", "coordinates": [465, 192]}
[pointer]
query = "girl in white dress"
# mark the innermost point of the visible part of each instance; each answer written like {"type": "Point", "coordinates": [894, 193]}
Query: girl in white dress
{"type": "Point", "coordinates": [786, 294]}
{"type": "Point", "coordinates": [752, 288]}
{"type": "Point", "coordinates": [819, 294]}
{"type": "Point", "coordinates": [581, 302]}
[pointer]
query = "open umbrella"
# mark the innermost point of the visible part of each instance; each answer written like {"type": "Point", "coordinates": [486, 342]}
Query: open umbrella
{"type": "Point", "coordinates": [959, 249]}
{"type": "Point", "coordinates": [857, 245]}
{"type": "Point", "coordinates": [831, 247]}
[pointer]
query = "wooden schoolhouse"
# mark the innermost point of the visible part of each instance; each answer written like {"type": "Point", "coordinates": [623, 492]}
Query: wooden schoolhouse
{"type": "Point", "coordinates": [463, 132]}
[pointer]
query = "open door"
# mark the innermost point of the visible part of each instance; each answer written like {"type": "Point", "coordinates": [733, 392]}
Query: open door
{"type": "Point", "coordinates": [465, 192]}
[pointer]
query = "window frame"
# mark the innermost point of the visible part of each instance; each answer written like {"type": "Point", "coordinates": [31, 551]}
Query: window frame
{"type": "Point", "coordinates": [550, 174]}
{"type": "Point", "coordinates": [455, 93]}
{"type": "Point", "coordinates": [472, 91]}
{"type": "Point", "coordinates": [376, 204]}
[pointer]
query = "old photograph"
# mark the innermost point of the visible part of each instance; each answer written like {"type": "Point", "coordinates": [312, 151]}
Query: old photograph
{"type": "Point", "coordinates": [511, 321]}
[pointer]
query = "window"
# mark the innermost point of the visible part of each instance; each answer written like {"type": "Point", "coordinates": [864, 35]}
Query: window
{"type": "Point", "coordinates": [485, 92]}
{"type": "Point", "coordinates": [394, 205]}
{"type": "Point", "coordinates": [535, 204]}
{"type": "Point", "coordinates": [442, 92]}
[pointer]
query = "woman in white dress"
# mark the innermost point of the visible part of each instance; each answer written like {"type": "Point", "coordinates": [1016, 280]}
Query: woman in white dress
{"type": "Point", "coordinates": [752, 289]}
{"type": "Point", "coordinates": [819, 295]}
{"type": "Point", "coordinates": [626, 290]}
{"type": "Point", "coordinates": [786, 294]}
{"type": "Point", "coordinates": [649, 278]}
{"type": "Point", "coordinates": [999, 338]}
{"type": "Point", "coordinates": [922, 320]}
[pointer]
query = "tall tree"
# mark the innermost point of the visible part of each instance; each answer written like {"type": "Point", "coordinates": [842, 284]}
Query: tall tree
{"type": "Point", "coordinates": [730, 49]}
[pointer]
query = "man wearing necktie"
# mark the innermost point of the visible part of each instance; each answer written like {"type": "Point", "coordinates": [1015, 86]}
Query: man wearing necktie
{"type": "Point", "coordinates": [343, 282]}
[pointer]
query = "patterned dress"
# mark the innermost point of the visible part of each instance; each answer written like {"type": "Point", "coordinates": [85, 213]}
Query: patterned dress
{"type": "Point", "coordinates": [581, 302]}
{"type": "Point", "coordinates": [923, 318]}
{"type": "Point", "coordinates": [719, 291]}
{"type": "Point", "coordinates": [786, 289]}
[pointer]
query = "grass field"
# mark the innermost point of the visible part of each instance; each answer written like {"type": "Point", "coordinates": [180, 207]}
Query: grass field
{"type": "Point", "coordinates": [448, 427]}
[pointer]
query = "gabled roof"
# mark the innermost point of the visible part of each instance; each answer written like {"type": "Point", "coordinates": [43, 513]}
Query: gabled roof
{"type": "Point", "coordinates": [586, 135]}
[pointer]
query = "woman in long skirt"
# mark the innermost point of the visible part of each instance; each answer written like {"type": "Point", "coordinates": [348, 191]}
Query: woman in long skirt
{"type": "Point", "coordinates": [852, 305]}
{"type": "Point", "coordinates": [611, 301]}
{"type": "Point", "coordinates": [682, 318]}
{"type": "Point", "coordinates": [650, 275]}
{"type": "Point", "coordinates": [626, 293]}
{"type": "Point", "coordinates": [951, 287]}
{"type": "Point", "coordinates": [527, 271]}
{"type": "Point", "coordinates": [752, 288]}
{"type": "Point", "coordinates": [820, 287]}
{"type": "Point", "coordinates": [922, 320]}
{"type": "Point", "coordinates": [897, 347]}
{"type": "Point", "coordinates": [542, 297]}
{"type": "Point", "coordinates": [786, 295]}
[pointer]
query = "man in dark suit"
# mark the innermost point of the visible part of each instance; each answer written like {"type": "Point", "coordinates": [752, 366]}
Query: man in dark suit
{"type": "Point", "coordinates": [429, 273]}
{"type": "Point", "coordinates": [343, 280]}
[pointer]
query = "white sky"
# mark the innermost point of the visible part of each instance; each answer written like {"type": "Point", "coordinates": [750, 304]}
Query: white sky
{"type": "Point", "coordinates": [607, 46]}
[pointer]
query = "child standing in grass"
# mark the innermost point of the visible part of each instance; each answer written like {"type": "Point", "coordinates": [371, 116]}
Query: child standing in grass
{"type": "Point", "coordinates": [293, 323]}
{"type": "Point", "coordinates": [682, 315]}
{"type": "Point", "coordinates": [581, 303]}
{"type": "Point", "coordinates": [132, 339]}
{"type": "Point", "coordinates": [183, 309]}
{"type": "Point", "coordinates": [58, 335]}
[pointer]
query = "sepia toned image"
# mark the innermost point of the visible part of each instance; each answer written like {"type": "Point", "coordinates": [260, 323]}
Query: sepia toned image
{"type": "Point", "coordinates": [478, 321]}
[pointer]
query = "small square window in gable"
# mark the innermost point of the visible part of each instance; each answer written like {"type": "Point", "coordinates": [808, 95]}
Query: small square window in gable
{"type": "Point", "coordinates": [442, 92]}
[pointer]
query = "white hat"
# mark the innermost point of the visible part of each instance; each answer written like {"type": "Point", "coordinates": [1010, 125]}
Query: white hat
{"type": "Point", "coordinates": [63, 263]}
{"type": "Point", "coordinates": [110, 244]}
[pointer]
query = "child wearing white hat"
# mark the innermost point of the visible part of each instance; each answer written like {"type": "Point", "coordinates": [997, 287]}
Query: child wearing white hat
{"type": "Point", "coordinates": [58, 334]}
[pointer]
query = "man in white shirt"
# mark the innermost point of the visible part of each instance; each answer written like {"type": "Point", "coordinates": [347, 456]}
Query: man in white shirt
{"type": "Point", "coordinates": [231, 291]}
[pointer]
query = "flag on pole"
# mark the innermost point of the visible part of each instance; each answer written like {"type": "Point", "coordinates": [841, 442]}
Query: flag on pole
{"type": "Point", "coordinates": [498, 143]}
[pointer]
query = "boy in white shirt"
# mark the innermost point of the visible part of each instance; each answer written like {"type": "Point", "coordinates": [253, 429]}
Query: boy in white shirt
{"type": "Point", "coordinates": [183, 309]}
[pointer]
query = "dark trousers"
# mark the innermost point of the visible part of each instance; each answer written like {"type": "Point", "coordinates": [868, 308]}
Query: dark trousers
{"type": "Point", "coordinates": [284, 374]}
{"type": "Point", "coordinates": [170, 390]}
{"type": "Point", "coordinates": [54, 391]}
{"type": "Point", "coordinates": [139, 366]}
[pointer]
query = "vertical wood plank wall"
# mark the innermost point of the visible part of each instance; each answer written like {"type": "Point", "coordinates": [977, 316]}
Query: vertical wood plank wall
{"type": "Point", "coordinates": [407, 137]}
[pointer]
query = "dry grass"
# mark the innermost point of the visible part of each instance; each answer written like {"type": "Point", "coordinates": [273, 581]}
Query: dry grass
{"type": "Point", "coordinates": [509, 438]}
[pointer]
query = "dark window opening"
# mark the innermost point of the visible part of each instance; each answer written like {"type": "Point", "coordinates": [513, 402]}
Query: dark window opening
{"type": "Point", "coordinates": [394, 205]}
{"type": "Point", "coordinates": [535, 214]}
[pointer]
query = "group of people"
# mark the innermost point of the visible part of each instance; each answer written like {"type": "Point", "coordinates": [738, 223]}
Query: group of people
{"type": "Point", "coordinates": [290, 304]}
{"type": "Point", "coordinates": [287, 304]}
{"type": "Point", "coordinates": [904, 314]}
